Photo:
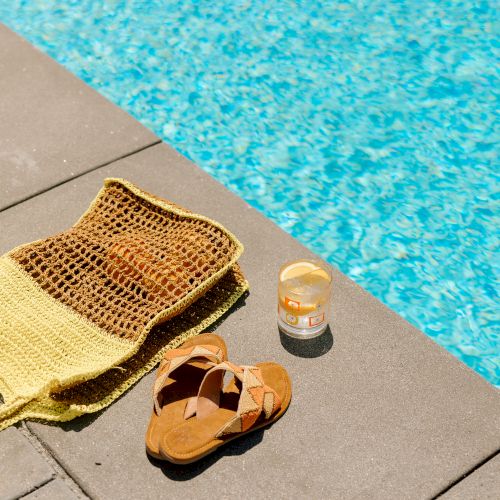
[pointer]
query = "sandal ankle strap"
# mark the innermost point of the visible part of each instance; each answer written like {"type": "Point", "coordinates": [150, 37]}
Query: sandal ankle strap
{"type": "Point", "coordinates": [177, 357]}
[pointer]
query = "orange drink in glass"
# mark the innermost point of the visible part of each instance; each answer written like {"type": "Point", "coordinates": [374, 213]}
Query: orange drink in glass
{"type": "Point", "coordinates": [304, 289]}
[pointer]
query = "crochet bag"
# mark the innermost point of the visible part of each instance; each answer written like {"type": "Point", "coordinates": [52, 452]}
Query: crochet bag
{"type": "Point", "coordinates": [75, 305]}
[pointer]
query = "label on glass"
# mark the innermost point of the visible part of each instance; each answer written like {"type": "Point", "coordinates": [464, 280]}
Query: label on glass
{"type": "Point", "coordinates": [293, 314]}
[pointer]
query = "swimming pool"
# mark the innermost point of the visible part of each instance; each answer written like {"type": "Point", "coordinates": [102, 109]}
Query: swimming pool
{"type": "Point", "coordinates": [366, 129]}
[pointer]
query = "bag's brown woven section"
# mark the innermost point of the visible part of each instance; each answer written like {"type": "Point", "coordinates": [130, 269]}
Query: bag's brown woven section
{"type": "Point", "coordinates": [129, 258]}
{"type": "Point", "coordinates": [95, 390]}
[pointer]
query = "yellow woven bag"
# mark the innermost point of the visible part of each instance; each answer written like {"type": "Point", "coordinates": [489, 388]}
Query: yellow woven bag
{"type": "Point", "coordinates": [76, 304]}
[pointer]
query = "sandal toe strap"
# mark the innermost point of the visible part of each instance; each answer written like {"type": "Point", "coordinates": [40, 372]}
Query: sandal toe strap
{"type": "Point", "coordinates": [255, 397]}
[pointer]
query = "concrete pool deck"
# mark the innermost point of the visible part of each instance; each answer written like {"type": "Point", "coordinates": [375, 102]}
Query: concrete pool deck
{"type": "Point", "coordinates": [379, 410]}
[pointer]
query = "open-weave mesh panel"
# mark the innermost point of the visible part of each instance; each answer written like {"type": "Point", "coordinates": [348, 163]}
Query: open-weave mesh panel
{"type": "Point", "coordinates": [96, 394]}
{"type": "Point", "coordinates": [160, 337]}
{"type": "Point", "coordinates": [130, 257]}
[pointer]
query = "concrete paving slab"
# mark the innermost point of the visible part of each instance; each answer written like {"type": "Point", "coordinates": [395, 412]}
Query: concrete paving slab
{"type": "Point", "coordinates": [55, 490]}
{"type": "Point", "coordinates": [379, 410]}
{"type": "Point", "coordinates": [22, 468]}
{"type": "Point", "coordinates": [53, 126]}
{"type": "Point", "coordinates": [482, 484]}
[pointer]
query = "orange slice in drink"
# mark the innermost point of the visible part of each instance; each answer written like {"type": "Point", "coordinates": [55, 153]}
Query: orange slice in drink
{"type": "Point", "coordinates": [306, 271]}
{"type": "Point", "coordinates": [302, 278]}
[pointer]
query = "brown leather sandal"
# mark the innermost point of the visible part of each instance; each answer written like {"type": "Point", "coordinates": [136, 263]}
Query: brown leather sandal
{"type": "Point", "coordinates": [178, 379]}
{"type": "Point", "coordinates": [256, 397]}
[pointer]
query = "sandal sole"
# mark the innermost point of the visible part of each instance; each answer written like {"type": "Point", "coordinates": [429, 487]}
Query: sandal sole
{"type": "Point", "coordinates": [285, 405]}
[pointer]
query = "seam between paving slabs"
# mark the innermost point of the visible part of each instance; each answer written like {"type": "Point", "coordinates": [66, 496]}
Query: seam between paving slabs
{"type": "Point", "coordinates": [37, 488]}
{"type": "Point", "coordinates": [41, 486]}
{"type": "Point", "coordinates": [97, 167]}
{"type": "Point", "coordinates": [60, 472]}
{"type": "Point", "coordinates": [467, 474]}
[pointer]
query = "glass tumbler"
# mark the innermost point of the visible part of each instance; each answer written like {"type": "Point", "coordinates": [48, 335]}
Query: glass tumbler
{"type": "Point", "coordinates": [304, 290]}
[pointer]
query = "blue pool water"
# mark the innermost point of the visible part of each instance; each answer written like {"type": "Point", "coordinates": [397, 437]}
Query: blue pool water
{"type": "Point", "coordinates": [367, 129]}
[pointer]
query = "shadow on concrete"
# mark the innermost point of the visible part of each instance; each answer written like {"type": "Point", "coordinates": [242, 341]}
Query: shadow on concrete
{"type": "Point", "coordinates": [87, 419]}
{"type": "Point", "coordinates": [75, 425]}
{"type": "Point", "coordinates": [241, 302]}
{"type": "Point", "coordinates": [81, 422]}
{"type": "Point", "coordinates": [310, 348]}
{"type": "Point", "coordinates": [190, 471]}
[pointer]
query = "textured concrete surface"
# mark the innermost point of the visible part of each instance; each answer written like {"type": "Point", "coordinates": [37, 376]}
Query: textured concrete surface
{"type": "Point", "coordinates": [482, 484]}
{"type": "Point", "coordinates": [379, 410]}
{"type": "Point", "coordinates": [52, 125]}
{"type": "Point", "coordinates": [22, 468]}
{"type": "Point", "coordinates": [55, 490]}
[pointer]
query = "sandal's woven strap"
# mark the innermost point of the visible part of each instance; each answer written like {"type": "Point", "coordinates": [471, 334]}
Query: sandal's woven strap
{"type": "Point", "coordinates": [255, 397]}
{"type": "Point", "coordinates": [177, 357]}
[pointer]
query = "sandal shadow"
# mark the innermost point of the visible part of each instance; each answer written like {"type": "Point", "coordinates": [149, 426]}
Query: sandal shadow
{"type": "Point", "coordinates": [237, 447]}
